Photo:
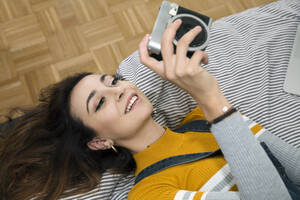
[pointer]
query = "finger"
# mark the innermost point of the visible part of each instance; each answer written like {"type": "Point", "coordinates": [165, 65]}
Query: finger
{"type": "Point", "coordinates": [197, 57]}
{"type": "Point", "coordinates": [204, 57]}
{"type": "Point", "coordinates": [167, 48]}
{"type": "Point", "coordinates": [147, 60]}
{"type": "Point", "coordinates": [183, 45]}
{"type": "Point", "coordinates": [182, 48]}
{"type": "Point", "coordinates": [205, 60]}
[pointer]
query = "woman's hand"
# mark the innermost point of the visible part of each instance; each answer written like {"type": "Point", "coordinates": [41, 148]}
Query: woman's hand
{"type": "Point", "coordinates": [179, 69]}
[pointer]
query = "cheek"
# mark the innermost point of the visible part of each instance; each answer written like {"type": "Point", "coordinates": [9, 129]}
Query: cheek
{"type": "Point", "coordinates": [113, 124]}
{"type": "Point", "coordinates": [104, 121]}
{"type": "Point", "coordinates": [141, 114]}
{"type": "Point", "coordinates": [108, 118]}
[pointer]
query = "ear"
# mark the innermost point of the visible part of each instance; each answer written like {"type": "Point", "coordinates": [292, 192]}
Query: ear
{"type": "Point", "coordinates": [99, 144]}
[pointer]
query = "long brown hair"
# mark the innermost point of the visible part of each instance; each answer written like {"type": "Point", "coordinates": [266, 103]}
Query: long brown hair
{"type": "Point", "coordinates": [45, 156]}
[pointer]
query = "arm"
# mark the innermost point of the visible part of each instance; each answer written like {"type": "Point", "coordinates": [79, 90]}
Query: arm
{"type": "Point", "coordinates": [287, 154]}
{"type": "Point", "coordinates": [241, 150]}
{"type": "Point", "coordinates": [255, 175]}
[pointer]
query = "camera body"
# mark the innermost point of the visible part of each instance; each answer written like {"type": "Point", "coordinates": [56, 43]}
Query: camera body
{"type": "Point", "coordinates": [168, 13]}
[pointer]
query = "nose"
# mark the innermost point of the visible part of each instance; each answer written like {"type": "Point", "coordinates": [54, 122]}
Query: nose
{"type": "Point", "coordinates": [118, 92]}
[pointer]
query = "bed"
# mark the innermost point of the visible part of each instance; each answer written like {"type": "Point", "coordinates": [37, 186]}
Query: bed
{"type": "Point", "coordinates": [249, 53]}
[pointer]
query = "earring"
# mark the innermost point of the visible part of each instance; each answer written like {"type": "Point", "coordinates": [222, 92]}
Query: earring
{"type": "Point", "coordinates": [114, 148]}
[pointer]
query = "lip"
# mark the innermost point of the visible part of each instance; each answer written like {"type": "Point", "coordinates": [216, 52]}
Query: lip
{"type": "Point", "coordinates": [128, 100]}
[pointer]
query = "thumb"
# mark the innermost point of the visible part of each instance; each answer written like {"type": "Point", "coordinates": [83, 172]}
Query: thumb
{"type": "Point", "coordinates": [147, 60]}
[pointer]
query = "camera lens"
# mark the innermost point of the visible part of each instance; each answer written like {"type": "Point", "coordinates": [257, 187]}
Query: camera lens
{"type": "Point", "coordinates": [187, 24]}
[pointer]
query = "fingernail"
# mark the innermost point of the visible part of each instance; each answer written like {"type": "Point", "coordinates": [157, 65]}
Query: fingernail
{"type": "Point", "coordinates": [177, 21]}
{"type": "Point", "coordinates": [198, 28]}
{"type": "Point", "coordinates": [145, 36]}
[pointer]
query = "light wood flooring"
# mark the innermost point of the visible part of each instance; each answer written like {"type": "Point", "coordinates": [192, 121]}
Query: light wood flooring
{"type": "Point", "coordinates": [43, 41]}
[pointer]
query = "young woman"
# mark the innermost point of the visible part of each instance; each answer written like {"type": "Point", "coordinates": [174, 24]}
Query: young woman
{"type": "Point", "coordinates": [89, 123]}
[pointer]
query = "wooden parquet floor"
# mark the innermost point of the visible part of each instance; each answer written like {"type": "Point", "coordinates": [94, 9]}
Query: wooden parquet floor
{"type": "Point", "coordinates": [43, 41]}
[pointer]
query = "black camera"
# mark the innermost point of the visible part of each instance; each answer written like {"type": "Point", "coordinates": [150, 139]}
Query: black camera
{"type": "Point", "coordinates": [168, 13]}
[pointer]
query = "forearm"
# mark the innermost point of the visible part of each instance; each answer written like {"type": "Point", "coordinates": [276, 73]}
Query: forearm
{"type": "Point", "coordinates": [255, 175]}
{"type": "Point", "coordinates": [287, 154]}
{"type": "Point", "coordinates": [212, 104]}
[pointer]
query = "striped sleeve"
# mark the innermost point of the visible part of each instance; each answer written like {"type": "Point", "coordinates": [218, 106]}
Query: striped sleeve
{"type": "Point", "coordinates": [189, 195]}
{"type": "Point", "coordinates": [158, 191]}
{"type": "Point", "coordinates": [175, 194]}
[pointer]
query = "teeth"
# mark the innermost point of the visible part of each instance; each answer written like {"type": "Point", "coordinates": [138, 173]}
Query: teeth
{"type": "Point", "coordinates": [132, 100]}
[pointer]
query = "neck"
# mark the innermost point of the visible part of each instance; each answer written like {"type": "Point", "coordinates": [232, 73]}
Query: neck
{"type": "Point", "coordinates": [146, 135]}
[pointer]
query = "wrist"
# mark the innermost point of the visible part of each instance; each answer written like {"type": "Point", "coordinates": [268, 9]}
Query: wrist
{"type": "Point", "coordinates": [213, 107]}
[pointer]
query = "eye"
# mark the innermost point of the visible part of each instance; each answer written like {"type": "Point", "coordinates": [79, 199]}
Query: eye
{"type": "Point", "coordinates": [100, 103]}
{"type": "Point", "coordinates": [116, 79]}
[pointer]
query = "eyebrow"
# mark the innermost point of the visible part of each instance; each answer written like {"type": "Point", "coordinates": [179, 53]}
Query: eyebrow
{"type": "Point", "coordinates": [102, 78]}
{"type": "Point", "coordinates": [89, 98]}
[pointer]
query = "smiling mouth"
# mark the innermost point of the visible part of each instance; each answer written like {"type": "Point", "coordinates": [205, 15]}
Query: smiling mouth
{"type": "Point", "coordinates": [132, 100]}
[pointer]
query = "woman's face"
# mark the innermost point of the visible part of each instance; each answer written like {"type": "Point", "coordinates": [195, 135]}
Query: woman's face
{"type": "Point", "coordinates": [102, 103]}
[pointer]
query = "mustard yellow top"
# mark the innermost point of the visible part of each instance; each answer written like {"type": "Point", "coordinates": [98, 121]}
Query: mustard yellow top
{"type": "Point", "coordinates": [174, 181]}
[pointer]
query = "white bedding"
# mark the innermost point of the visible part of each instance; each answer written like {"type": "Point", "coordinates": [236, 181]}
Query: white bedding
{"type": "Point", "coordinates": [249, 54]}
